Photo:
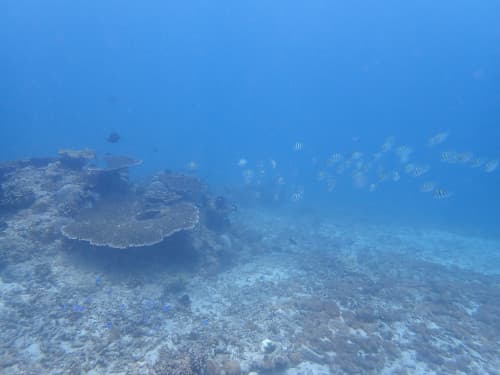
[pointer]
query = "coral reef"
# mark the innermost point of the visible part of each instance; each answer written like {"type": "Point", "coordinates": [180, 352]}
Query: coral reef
{"type": "Point", "coordinates": [104, 207]}
{"type": "Point", "coordinates": [15, 196]}
{"type": "Point", "coordinates": [239, 298]}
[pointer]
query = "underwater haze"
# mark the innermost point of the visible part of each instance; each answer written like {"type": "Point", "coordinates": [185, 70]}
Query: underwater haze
{"type": "Point", "coordinates": [318, 178]}
{"type": "Point", "coordinates": [215, 83]}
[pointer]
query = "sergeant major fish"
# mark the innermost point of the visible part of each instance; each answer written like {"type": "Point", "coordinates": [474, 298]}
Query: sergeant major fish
{"type": "Point", "coordinates": [427, 187]}
{"type": "Point", "coordinates": [491, 166]}
{"type": "Point", "coordinates": [437, 139]}
{"type": "Point", "coordinates": [441, 194]}
{"type": "Point", "coordinates": [404, 153]}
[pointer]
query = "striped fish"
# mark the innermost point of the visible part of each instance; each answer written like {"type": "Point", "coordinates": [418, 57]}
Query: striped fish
{"type": "Point", "coordinates": [491, 166]}
{"type": "Point", "coordinates": [441, 194]}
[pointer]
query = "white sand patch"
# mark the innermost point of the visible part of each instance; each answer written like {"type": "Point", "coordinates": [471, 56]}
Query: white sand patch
{"type": "Point", "coordinates": [309, 368]}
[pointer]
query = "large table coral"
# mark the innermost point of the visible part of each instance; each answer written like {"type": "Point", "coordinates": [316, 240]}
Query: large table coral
{"type": "Point", "coordinates": [123, 223]}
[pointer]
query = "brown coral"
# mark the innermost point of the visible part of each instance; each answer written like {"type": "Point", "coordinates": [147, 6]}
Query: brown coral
{"type": "Point", "coordinates": [119, 161]}
{"type": "Point", "coordinates": [157, 193]}
{"type": "Point", "coordinates": [114, 176]}
{"type": "Point", "coordinates": [181, 183]}
{"type": "Point", "coordinates": [115, 163]}
{"type": "Point", "coordinates": [232, 367]}
{"type": "Point", "coordinates": [86, 153]}
{"type": "Point", "coordinates": [75, 159]}
{"type": "Point", "coordinates": [123, 223]}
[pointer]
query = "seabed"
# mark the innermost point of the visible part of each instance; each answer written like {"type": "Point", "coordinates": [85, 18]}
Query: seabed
{"type": "Point", "coordinates": [279, 294]}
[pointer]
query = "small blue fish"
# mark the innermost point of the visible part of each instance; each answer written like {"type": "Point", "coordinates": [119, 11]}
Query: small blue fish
{"type": "Point", "coordinates": [109, 325]}
{"type": "Point", "coordinates": [205, 322]}
{"type": "Point", "coordinates": [166, 307]}
{"type": "Point", "coordinates": [98, 280]}
{"type": "Point", "coordinates": [79, 309]}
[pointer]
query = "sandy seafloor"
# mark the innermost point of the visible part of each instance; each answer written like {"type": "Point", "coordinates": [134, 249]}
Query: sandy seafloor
{"type": "Point", "coordinates": [333, 297]}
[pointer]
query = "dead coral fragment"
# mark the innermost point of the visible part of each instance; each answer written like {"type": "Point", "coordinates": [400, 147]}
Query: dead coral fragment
{"type": "Point", "coordinates": [123, 223]}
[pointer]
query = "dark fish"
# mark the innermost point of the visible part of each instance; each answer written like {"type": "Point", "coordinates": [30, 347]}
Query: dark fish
{"type": "Point", "coordinates": [113, 137]}
{"type": "Point", "coordinates": [292, 241]}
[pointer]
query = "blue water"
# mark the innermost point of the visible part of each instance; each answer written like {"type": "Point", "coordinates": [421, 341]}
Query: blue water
{"type": "Point", "coordinates": [216, 82]}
